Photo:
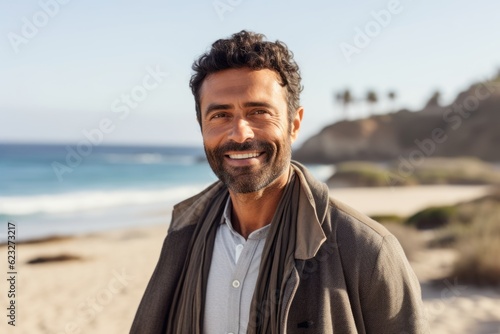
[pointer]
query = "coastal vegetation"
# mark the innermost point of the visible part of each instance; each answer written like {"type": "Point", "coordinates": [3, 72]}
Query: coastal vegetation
{"type": "Point", "coordinates": [430, 171]}
{"type": "Point", "coordinates": [471, 229]}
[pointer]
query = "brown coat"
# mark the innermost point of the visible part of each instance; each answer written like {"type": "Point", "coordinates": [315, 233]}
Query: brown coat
{"type": "Point", "coordinates": [350, 275]}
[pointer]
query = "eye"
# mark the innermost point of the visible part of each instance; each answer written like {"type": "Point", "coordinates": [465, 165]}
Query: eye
{"type": "Point", "coordinates": [218, 115]}
{"type": "Point", "coordinates": [260, 112]}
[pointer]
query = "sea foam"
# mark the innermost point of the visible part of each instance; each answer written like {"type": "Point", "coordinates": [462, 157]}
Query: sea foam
{"type": "Point", "coordinates": [92, 200]}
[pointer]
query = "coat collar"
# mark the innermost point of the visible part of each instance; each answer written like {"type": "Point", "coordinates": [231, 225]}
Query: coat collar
{"type": "Point", "coordinates": [313, 205]}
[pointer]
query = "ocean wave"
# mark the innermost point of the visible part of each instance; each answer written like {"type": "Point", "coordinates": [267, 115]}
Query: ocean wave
{"type": "Point", "coordinates": [91, 200]}
{"type": "Point", "coordinates": [148, 158]}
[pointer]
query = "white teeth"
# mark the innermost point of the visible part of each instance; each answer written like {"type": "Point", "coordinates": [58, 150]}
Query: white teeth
{"type": "Point", "coordinates": [244, 155]}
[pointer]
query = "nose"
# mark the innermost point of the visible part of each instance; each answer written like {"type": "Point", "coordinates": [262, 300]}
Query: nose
{"type": "Point", "coordinates": [240, 131]}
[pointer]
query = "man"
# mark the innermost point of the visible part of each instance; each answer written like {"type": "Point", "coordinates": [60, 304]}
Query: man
{"type": "Point", "coordinates": [265, 249]}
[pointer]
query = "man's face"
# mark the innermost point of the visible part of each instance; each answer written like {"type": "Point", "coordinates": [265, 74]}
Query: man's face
{"type": "Point", "coordinates": [246, 134]}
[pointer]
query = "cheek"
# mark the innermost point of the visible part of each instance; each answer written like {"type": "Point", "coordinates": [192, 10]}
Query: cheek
{"type": "Point", "coordinates": [210, 134]}
{"type": "Point", "coordinates": [274, 127]}
{"type": "Point", "coordinates": [279, 134]}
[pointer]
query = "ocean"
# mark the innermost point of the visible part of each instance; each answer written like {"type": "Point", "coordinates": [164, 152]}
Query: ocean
{"type": "Point", "coordinates": [50, 190]}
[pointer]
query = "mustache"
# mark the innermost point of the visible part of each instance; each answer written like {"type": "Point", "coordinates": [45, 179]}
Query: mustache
{"type": "Point", "coordinates": [256, 145]}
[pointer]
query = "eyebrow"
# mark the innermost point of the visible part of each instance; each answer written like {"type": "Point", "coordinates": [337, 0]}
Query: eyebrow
{"type": "Point", "coordinates": [215, 106]}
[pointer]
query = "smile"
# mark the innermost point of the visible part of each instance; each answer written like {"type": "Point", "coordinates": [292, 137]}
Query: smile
{"type": "Point", "coordinates": [240, 156]}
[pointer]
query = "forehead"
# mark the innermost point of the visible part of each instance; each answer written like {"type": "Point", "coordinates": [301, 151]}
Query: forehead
{"type": "Point", "coordinates": [242, 84]}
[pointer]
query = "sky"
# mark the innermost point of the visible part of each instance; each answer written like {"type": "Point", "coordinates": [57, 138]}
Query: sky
{"type": "Point", "coordinates": [117, 72]}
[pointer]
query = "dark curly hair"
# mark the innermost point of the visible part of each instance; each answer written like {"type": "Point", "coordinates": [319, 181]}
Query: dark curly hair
{"type": "Point", "coordinates": [249, 50]}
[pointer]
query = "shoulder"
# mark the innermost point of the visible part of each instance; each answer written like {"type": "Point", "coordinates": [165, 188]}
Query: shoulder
{"type": "Point", "coordinates": [350, 223]}
{"type": "Point", "coordinates": [362, 242]}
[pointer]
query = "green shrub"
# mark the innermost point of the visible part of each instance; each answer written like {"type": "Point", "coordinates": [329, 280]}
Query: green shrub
{"type": "Point", "coordinates": [432, 218]}
{"type": "Point", "coordinates": [474, 231]}
{"type": "Point", "coordinates": [478, 262]}
{"type": "Point", "coordinates": [360, 174]}
{"type": "Point", "coordinates": [478, 249]}
{"type": "Point", "coordinates": [465, 170]}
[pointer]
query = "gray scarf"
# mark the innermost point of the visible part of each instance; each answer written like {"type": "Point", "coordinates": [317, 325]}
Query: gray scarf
{"type": "Point", "coordinates": [187, 309]}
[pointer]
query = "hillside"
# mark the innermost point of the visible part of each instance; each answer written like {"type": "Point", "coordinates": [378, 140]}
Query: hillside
{"type": "Point", "coordinates": [470, 126]}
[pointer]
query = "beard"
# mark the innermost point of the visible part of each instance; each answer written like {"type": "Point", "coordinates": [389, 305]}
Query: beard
{"type": "Point", "coordinates": [248, 179]}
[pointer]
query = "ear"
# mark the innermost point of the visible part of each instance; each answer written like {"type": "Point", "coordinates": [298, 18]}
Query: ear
{"type": "Point", "coordinates": [296, 122]}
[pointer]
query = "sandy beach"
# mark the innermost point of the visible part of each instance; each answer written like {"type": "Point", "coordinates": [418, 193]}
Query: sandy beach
{"type": "Point", "coordinates": [100, 290]}
{"type": "Point", "coordinates": [404, 201]}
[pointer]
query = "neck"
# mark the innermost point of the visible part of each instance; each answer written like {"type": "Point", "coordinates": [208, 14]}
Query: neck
{"type": "Point", "coordinates": [255, 210]}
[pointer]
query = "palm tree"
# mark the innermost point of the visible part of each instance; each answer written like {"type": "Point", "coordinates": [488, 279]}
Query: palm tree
{"type": "Point", "coordinates": [392, 97]}
{"type": "Point", "coordinates": [372, 99]}
{"type": "Point", "coordinates": [344, 98]}
{"type": "Point", "coordinates": [338, 97]}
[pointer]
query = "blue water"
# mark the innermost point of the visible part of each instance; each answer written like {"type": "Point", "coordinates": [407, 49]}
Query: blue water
{"type": "Point", "coordinates": [60, 189]}
{"type": "Point", "coordinates": [41, 169]}
{"type": "Point", "coordinates": [56, 189]}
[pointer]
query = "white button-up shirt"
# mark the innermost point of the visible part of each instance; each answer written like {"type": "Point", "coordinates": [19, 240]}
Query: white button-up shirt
{"type": "Point", "coordinates": [232, 277]}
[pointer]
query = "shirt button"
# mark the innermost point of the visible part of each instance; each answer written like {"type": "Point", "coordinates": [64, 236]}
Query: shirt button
{"type": "Point", "coordinates": [239, 247]}
{"type": "Point", "coordinates": [236, 283]}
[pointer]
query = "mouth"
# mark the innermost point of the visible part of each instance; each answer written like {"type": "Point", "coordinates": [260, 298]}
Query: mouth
{"type": "Point", "coordinates": [244, 159]}
{"type": "Point", "coordinates": [242, 156]}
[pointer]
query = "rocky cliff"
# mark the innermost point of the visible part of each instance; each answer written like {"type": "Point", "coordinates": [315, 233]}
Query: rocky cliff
{"type": "Point", "coordinates": [470, 126]}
